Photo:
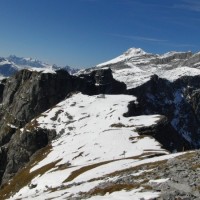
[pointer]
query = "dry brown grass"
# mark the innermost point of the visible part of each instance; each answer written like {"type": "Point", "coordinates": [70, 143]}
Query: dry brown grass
{"type": "Point", "coordinates": [186, 155]}
{"type": "Point", "coordinates": [147, 187]}
{"type": "Point", "coordinates": [32, 125]}
{"type": "Point", "coordinates": [24, 177]}
{"type": "Point", "coordinates": [82, 170]}
{"type": "Point", "coordinates": [113, 188]}
{"type": "Point", "coordinates": [146, 166]}
{"type": "Point", "coordinates": [118, 125]}
{"type": "Point", "coordinates": [195, 167]}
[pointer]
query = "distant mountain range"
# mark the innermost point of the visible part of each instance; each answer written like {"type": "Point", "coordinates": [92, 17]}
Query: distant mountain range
{"type": "Point", "coordinates": [12, 64]}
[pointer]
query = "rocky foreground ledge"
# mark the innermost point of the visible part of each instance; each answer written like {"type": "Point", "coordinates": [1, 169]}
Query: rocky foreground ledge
{"type": "Point", "coordinates": [183, 174]}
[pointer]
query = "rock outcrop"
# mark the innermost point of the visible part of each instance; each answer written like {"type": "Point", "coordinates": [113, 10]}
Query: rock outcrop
{"type": "Point", "coordinates": [178, 101]}
{"type": "Point", "coordinates": [103, 82]}
{"type": "Point", "coordinates": [22, 147]}
{"type": "Point", "coordinates": [164, 133]}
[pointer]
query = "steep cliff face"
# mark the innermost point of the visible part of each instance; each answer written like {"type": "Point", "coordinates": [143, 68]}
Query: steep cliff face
{"type": "Point", "coordinates": [24, 96]}
{"type": "Point", "coordinates": [21, 147]}
{"type": "Point", "coordinates": [103, 82]}
{"type": "Point", "coordinates": [27, 94]}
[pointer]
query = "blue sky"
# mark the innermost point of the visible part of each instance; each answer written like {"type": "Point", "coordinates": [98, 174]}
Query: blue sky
{"type": "Point", "coordinates": [83, 33]}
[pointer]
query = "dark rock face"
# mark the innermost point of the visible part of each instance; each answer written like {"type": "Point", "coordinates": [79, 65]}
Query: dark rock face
{"type": "Point", "coordinates": [24, 96]}
{"type": "Point", "coordinates": [3, 161]}
{"type": "Point", "coordinates": [178, 101]}
{"type": "Point", "coordinates": [2, 85]}
{"type": "Point", "coordinates": [103, 82]}
{"type": "Point", "coordinates": [164, 133]}
{"type": "Point", "coordinates": [29, 143]}
{"type": "Point", "coordinates": [27, 94]}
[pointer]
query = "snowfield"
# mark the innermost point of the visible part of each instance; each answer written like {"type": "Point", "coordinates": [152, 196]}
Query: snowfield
{"type": "Point", "coordinates": [93, 141]}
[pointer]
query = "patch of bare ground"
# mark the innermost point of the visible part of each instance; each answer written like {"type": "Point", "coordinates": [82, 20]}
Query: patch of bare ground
{"type": "Point", "coordinates": [82, 170]}
{"type": "Point", "coordinates": [120, 125]}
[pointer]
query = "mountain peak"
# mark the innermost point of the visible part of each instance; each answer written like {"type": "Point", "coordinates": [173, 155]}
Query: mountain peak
{"type": "Point", "coordinates": [134, 51]}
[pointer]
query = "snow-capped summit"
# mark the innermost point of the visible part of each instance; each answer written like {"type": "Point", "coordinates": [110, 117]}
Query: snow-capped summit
{"type": "Point", "coordinates": [134, 52]}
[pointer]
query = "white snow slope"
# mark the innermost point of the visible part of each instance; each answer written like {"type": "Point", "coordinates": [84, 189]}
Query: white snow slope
{"type": "Point", "coordinates": [135, 66]}
{"type": "Point", "coordinates": [93, 141]}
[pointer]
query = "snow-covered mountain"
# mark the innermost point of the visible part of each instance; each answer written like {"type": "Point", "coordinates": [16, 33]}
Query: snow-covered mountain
{"type": "Point", "coordinates": [110, 132]}
{"type": "Point", "coordinates": [12, 64]}
{"type": "Point", "coordinates": [135, 66]}
{"type": "Point", "coordinates": [28, 62]}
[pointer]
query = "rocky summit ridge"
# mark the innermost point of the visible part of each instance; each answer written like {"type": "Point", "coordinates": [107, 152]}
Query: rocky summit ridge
{"type": "Point", "coordinates": [127, 128]}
